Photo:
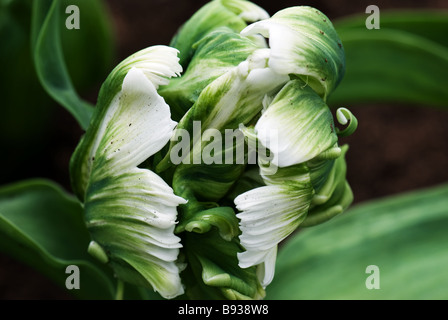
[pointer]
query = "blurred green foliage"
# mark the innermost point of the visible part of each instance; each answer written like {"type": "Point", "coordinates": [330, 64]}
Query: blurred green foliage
{"type": "Point", "coordinates": [28, 112]}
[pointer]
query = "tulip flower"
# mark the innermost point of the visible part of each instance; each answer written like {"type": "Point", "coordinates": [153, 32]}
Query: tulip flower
{"type": "Point", "coordinates": [165, 170]}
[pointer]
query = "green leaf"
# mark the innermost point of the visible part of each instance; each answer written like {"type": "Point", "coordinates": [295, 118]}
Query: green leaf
{"type": "Point", "coordinates": [42, 226]}
{"type": "Point", "coordinates": [403, 61]}
{"type": "Point", "coordinates": [88, 53]}
{"type": "Point", "coordinates": [405, 236]}
{"type": "Point", "coordinates": [51, 68]}
{"type": "Point", "coordinates": [426, 23]}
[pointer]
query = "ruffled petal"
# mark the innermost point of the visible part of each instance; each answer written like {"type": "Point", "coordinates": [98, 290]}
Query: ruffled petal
{"type": "Point", "coordinates": [303, 42]}
{"type": "Point", "coordinates": [131, 212]}
{"type": "Point", "coordinates": [267, 216]}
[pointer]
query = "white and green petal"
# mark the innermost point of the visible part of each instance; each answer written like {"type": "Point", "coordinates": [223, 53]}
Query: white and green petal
{"type": "Point", "coordinates": [267, 216]}
{"type": "Point", "coordinates": [300, 195]}
{"type": "Point", "coordinates": [158, 64]}
{"type": "Point", "coordinates": [303, 42]}
{"type": "Point", "coordinates": [303, 124]}
{"type": "Point", "coordinates": [246, 10]}
{"type": "Point", "coordinates": [131, 212]}
{"type": "Point", "coordinates": [233, 14]}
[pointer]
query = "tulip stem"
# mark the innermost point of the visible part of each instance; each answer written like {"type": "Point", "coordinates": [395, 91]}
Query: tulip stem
{"type": "Point", "coordinates": [120, 290]}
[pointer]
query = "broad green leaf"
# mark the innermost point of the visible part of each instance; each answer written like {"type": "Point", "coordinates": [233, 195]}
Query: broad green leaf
{"type": "Point", "coordinates": [42, 226]}
{"type": "Point", "coordinates": [46, 30]}
{"type": "Point", "coordinates": [400, 62]}
{"type": "Point", "coordinates": [88, 53]}
{"type": "Point", "coordinates": [405, 236]}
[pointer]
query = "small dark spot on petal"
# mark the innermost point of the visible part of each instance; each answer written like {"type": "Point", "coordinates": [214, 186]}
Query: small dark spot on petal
{"type": "Point", "coordinates": [321, 32]}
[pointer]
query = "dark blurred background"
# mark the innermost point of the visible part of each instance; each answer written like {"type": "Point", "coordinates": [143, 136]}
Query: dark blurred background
{"type": "Point", "coordinates": [396, 148]}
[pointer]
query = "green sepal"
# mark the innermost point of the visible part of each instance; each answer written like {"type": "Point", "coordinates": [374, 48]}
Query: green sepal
{"type": "Point", "coordinates": [334, 197]}
{"type": "Point", "coordinates": [203, 186]}
{"type": "Point", "coordinates": [213, 271]}
{"type": "Point", "coordinates": [223, 218]}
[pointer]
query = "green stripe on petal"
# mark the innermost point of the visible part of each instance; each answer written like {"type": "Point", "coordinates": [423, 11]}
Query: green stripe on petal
{"type": "Point", "coordinates": [303, 42]}
{"type": "Point", "coordinates": [302, 121]}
